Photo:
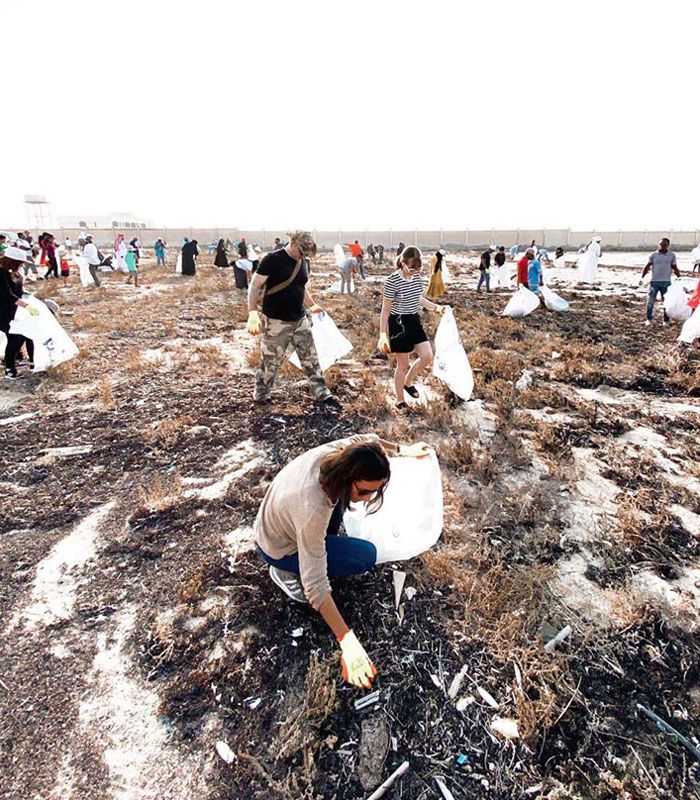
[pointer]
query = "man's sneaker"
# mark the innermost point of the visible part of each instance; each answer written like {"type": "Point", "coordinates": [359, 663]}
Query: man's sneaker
{"type": "Point", "coordinates": [11, 376]}
{"type": "Point", "coordinates": [289, 583]}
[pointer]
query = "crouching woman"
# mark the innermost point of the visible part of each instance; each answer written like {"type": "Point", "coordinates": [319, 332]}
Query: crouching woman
{"type": "Point", "coordinates": [296, 529]}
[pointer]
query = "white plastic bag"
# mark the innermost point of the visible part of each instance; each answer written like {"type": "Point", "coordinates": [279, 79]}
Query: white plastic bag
{"type": "Point", "coordinates": [330, 343]}
{"type": "Point", "coordinates": [451, 364]}
{"type": "Point", "coordinates": [338, 285]}
{"type": "Point", "coordinates": [522, 303]}
{"type": "Point", "coordinates": [676, 302]}
{"type": "Point", "coordinates": [339, 254]}
{"type": "Point", "coordinates": [52, 345]}
{"type": "Point", "coordinates": [178, 264]}
{"type": "Point", "coordinates": [503, 276]}
{"type": "Point", "coordinates": [410, 519]}
{"type": "Point", "coordinates": [84, 267]}
{"type": "Point", "coordinates": [553, 301]}
{"type": "Point", "coordinates": [691, 328]}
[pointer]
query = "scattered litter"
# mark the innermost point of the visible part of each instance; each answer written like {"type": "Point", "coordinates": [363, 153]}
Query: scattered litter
{"type": "Point", "coordinates": [253, 704]}
{"type": "Point", "coordinates": [664, 727]}
{"type": "Point", "coordinates": [444, 791]}
{"type": "Point", "coordinates": [506, 727]}
{"type": "Point", "coordinates": [524, 381]}
{"type": "Point", "coordinates": [297, 632]}
{"type": "Point", "coordinates": [555, 355]}
{"type": "Point", "coordinates": [518, 675]}
{"type": "Point", "coordinates": [366, 701]}
{"type": "Point", "coordinates": [534, 789]}
{"type": "Point", "coordinates": [399, 580]}
{"type": "Point", "coordinates": [552, 643]}
{"type": "Point", "coordinates": [225, 752]}
{"type": "Point", "coordinates": [434, 678]}
{"type": "Point", "coordinates": [463, 702]}
{"type": "Point", "coordinates": [462, 759]}
{"type": "Point", "coordinates": [389, 782]}
{"type": "Point", "coordinates": [456, 684]}
{"type": "Point", "coordinates": [394, 743]}
{"type": "Point", "coordinates": [487, 698]}
{"type": "Point", "coordinates": [410, 592]}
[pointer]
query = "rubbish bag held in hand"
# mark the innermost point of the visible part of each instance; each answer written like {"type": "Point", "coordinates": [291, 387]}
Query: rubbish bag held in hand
{"type": "Point", "coordinates": [503, 275]}
{"type": "Point", "coordinates": [552, 300]}
{"type": "Point", "coordinates": [339, 254]}
{"type": "Point", "coordinates": [691, 328]}
{"type": "Point", "coordinates": [84, 268]}
{"type": "Point", "coordinates": [676, 302]}
{"type": "Point", "coordinates": [410, 519]}
{"type": "Point", "coordinates": [178, 264]}
{"type": "Point", "coordinates": [522, 303]}
{"type": "Point", "coordinates": [52, 345]}
{"type": "Point", "coordinates": [451, 364]}
{"type": "Point", "coordinates": [330, 343]}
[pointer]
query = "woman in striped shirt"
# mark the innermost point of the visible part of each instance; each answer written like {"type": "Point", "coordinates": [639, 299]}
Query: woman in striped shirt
{"type": "Point", "coordinates": [400, 329]}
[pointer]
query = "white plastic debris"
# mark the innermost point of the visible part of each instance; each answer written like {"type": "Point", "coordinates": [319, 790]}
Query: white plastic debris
{"type": "Point", "coordinates": [487, 697]}
{"type": "Point", "coordinates": [225, 752]}
{"type": "Point", "coordinates": [456, 684]}
{"type": "Point", "coordinates": [410, 592]}
{"type": "Point", "coordinates": [555, 355]}
{"type": "Point", "coordinates": [434, 678]}
{"type": "Point", "coordinates": [524, 381]}
{"type": "Point", "coordinates": [464, 702]}
{"type": "Point", "coordinates": [399, 580]}
{"type": "Point", "coordinates": [563, 634]}
{"type": "Point", "coordinates": [253, 704]}
{"type": "Point", "coordinates": [444, 791]}
{"type": "Point", "coordinates": [297, 632]}
{"type": "Point", "coordinates": [506, 727]}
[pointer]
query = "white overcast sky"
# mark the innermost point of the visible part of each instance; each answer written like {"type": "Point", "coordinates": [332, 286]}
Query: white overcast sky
{"type": "Point", "coordinates": [370, 114]}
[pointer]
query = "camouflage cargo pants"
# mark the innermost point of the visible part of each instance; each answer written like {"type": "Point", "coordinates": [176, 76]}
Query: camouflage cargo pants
{"type": "Point", "coordinates": [277, 337]}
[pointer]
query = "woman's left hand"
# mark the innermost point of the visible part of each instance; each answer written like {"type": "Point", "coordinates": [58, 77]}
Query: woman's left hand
{"type": "Point", "coordinates": [441, 310]}
{"type": "Point", "coordinates": [417, 450]}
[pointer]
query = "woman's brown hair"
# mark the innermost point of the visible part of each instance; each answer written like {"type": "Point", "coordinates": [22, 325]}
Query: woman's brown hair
{"type": "Point", "coordinates": [362, 461]}
{"type": "Point", "coordinates": [407, 255]}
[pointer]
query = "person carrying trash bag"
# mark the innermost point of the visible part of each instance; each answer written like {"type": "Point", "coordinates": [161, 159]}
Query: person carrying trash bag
{"type": "Point", "coordinates": [10, 299]}
{"type": "Point", "coordinates": [662, 264]}
{"type": "Point", "coordinates": [282, 279]}
{"type": "Point", "coordinates": [400, 328]}
{"type": "Point", "coordinates": [296, 529]}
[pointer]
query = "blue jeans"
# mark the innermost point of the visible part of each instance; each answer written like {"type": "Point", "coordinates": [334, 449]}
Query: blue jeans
{"type": "Point", "coordinates": [160, 260]}
{"type": "Point", "coordinates": [346, 555]}
{"type": "Point", "coordinates": [654, 288]}
{"type": "Point", "coordinates": [483, 277]}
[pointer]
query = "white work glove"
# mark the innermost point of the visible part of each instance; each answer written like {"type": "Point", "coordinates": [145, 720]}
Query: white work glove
{"type": "Point", "coordinates": [383, 344]}
{"type": "Point", "coordinates": [357, 666]}
{"type": "Point", "coordinates": [417, 450]}
{"type": "Point", "coordinates": [254, 325]}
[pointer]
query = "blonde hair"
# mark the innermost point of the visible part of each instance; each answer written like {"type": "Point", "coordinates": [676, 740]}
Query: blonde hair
{"type": "Point", "coordinates": [304, 240]}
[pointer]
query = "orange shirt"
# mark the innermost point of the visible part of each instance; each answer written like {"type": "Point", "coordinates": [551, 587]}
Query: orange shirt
{"type": "Point", "coordinates": [355, 250]}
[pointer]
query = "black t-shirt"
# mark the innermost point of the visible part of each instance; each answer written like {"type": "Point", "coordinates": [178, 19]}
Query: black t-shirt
{"type": "Point", "coordinates": [287, 305]}
{"type": "Point", "coordinates": [500, 259]}
{"type": "Point", "coordinates": [10, 292]}
{"type": "Point", "coordinates": [485, 262]}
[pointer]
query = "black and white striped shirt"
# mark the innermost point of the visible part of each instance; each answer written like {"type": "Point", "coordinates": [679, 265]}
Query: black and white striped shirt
{"type": "Point", "coordinates": [404, 294]}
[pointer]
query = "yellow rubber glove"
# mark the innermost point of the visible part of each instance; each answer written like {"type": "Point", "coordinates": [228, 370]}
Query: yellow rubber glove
{"type": "Point", "coordinates": [383, 343]}
{"type": "Point", "coordinates": [316, 309]}
{"type": "Point", "coordinates": [417, 450]}
{"type": "Point", "coordinates": [441, 310]}
{"type": "Point", "coordinates": [33, 311]}
{"type": "Point", "coordinates": [358, 669]}
{"type": "Point", "coordinates": [254, 325]}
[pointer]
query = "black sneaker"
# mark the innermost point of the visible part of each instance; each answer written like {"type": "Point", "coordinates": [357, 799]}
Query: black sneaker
{"type": "Point", "coordinates": [11, 376]}
{"type": "Point", "coordinates": [289, 583]}
{"type": "Point", "coordinates": [331, 403]}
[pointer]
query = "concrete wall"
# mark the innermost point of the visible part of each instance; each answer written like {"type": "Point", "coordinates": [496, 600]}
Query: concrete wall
{"type": "Point", "coordinates": [471, 238]}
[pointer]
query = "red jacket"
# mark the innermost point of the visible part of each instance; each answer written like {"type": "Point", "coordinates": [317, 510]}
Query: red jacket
{"type": "Point", "coordinates": [523, 265]}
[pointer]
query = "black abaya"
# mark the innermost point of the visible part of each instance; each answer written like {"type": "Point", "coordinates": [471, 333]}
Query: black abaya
{"type": "Point", "coordinates": [189, 254]}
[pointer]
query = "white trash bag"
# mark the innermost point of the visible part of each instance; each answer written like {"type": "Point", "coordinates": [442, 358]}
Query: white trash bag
{"type": "Point", "coordinates": [451, 364]}
{"type": "Point", "coordinates": [330, 343]}
{"type": "Point", "coordinates": [522, 303]}
{"type": "Point", "coordinates": [52, 345]}
{"type": "Point", "coordinates": [676, 302]}
{"type": "Point", "coordinates": [338, 285]}
{"type": "Point", "coordinates": [503, 276]}
{"type": "Point", "coordinates": [410, 519]}
{"type": "Point", "coordinates": [339, 254]}
{"type": "Point", "coordinates": [178, 264]}
{"type": "Point", "coordinates": [691, 328]}
{"type": "Point", "coordinates": [84, 268]}
{"type": "Point", "coordinates": [553, 301]}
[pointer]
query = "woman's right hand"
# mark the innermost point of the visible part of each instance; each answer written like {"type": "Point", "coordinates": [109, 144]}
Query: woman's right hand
{"type": "Point", "coordinates": [383, 343]}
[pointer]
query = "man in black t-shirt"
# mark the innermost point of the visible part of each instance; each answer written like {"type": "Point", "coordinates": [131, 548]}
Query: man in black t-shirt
{"type": "Point", "coordinates": [281, 280]}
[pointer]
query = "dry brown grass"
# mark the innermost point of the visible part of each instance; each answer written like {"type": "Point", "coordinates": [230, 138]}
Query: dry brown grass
{"type": "Point", "coordinates": [105, 393]}
{"type": "Point", "coordinates": [161, 493]}
{"type": "Point", "coordinates": [168, 432]}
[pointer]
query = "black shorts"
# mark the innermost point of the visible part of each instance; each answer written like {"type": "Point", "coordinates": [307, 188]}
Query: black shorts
{"type": "Point", "coordinates": [405, 332]}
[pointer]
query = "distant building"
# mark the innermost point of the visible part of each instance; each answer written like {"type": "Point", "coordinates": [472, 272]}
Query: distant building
{"type": "Point", "coordinates": [117, 219]}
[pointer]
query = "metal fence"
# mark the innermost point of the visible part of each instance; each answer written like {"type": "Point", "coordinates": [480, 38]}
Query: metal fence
{"type": "Point", "coordinates": [453, 239]}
